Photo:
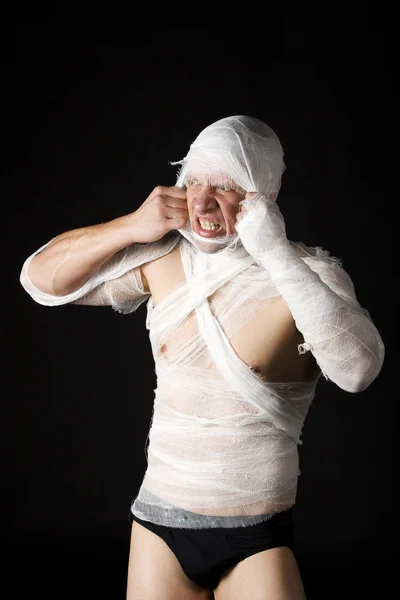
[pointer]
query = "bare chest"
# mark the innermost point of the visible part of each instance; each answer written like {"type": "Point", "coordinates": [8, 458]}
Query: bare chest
{"type": "Point", "coordinates": [267, 343]}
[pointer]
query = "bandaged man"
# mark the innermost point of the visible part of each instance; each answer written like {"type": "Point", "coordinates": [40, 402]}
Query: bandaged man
{"type": "Point", "coordinates": [242, 324]}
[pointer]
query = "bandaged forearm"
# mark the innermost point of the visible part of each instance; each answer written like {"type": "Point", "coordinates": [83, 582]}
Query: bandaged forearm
{"type": "Point", "coordinates": [338, 332]}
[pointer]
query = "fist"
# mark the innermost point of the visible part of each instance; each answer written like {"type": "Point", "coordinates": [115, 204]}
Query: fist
{"type": "Point", "coordinates": [164, 210]}
{"type": "Point", "coordinates": [260, 225]}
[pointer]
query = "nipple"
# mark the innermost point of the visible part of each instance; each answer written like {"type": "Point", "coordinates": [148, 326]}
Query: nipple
{"type": "Point", "coordinates": [257, 370]}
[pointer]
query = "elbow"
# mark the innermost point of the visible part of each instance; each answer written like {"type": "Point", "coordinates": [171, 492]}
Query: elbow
{"type": "Point", "coordinates": [362, 375]}
{"type": "Point", "coordinates": [355, 374]}
{"type": "Point", "coordinates": [357, 385]}
{"type": "Point", "coordinates": [370, 374]}
{"type": "Point", "coordinates": [368, 365]}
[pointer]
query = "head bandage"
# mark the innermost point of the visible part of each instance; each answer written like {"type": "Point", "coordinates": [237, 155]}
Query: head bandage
{"type": "Point", "coordinates": [242, 149]}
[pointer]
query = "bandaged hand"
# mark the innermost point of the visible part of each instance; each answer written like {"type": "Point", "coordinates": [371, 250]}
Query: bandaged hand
{"type": "Point", "coordinates": [262, 230]}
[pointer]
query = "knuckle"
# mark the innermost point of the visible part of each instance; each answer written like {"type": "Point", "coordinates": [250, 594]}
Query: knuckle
{"type": "Point", "coordinates": [159, 202]}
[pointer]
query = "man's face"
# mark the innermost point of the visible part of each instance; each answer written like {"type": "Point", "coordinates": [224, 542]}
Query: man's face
{"type": "Point", "coordinates": [213, 206]}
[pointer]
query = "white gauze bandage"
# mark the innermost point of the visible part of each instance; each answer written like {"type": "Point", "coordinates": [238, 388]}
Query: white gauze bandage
{"type": "Point", "coordinates": [223, 440]}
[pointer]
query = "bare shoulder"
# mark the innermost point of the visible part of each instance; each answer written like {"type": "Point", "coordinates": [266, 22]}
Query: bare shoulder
{"type": "Point", "coordinates": [163, 268]}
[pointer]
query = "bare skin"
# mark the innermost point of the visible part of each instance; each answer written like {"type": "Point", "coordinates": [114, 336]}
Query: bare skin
{"type": "Point", "coordinates": [73, 256]}
{"type": "Point", "coordinates": [270, 575]}
{"type": "Point", "coordinates": [154, 572]}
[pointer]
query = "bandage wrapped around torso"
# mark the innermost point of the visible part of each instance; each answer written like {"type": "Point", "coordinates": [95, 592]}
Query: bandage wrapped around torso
{"type": "Point", "coordinates": [222, 441]}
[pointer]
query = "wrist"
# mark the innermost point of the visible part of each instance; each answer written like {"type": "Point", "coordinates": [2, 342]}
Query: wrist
{"type": "Point", "coordinates": [124, 229]}
{"type": "Point", "coordinates": [279, 258]}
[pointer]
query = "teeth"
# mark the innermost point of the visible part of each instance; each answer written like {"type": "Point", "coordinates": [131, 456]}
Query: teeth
{"type": "Point", "coordinates": [209, 225]}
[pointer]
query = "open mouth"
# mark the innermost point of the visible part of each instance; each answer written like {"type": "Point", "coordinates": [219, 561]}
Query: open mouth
{"type": "Point", "coordinates": [208, 228]}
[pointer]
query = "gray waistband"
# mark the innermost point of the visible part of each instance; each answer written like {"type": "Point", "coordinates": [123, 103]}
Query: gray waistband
{"type": "Point", "coordinates": [146, 509]}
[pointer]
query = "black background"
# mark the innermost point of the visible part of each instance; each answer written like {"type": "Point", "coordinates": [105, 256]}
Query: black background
{"type": "Point", "coordinates": [94, 113]}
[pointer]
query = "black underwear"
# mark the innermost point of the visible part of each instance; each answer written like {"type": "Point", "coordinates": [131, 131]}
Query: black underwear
{"type": "Point", "coordinates": [205, 554]}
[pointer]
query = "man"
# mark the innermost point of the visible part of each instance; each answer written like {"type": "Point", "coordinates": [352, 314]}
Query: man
{"type": "Point", "coordinates": [242, 324]}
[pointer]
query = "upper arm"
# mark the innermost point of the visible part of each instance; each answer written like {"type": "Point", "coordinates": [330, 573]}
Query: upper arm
{"type": "Point", "coordinates": [124, 294]}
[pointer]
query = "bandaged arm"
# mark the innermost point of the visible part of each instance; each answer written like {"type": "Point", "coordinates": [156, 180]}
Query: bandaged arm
{"type": "Point", "coordinates": [98, 265]}
{"type": "Point", "coordinates": [321, 297]}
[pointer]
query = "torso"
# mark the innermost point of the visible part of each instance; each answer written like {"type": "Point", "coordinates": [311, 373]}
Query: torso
{"type": "Point", "coordinates": [268, 343]}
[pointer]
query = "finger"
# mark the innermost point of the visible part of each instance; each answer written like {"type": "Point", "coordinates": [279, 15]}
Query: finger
{"type": "Point", "coordinates": [176, 191]}
{"type": "Point", "coordinates": [177, 214]}
{"type": "Point", "coordinates": [170, 192]}
{"type": "Point", "coordinates": [175, 204]}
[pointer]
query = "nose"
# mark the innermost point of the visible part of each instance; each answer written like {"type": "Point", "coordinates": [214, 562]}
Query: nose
{"type": "Point", "coordinates": [204, 201]}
